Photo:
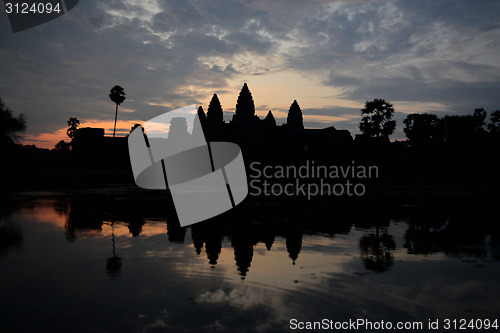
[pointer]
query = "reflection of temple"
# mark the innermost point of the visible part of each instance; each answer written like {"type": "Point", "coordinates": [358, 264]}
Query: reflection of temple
{"type": "Point", "coordinates": [243, 252]}
{"type": "Point", "coordinates": [249, 225]}
{"type": "Point", "coordinates": [214, 247]}
{"type": "Point", "coordinates": [268, 239]}
{"type": "Point", "coordinates": [211, 238]}
{"type": "Point", "coordinates": [89, 213]}
{"type": "Point", "coordinates": [294, 243]}
{"type": "Point", "coordinates": [243, 240]}
{"type": "Point", "coordinates": [83, 216]}
{"type": "Point", "coordinates": [175, 232]}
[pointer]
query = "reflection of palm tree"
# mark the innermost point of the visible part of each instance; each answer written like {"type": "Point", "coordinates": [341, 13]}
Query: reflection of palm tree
{"type": "Point", "coordinates": [117, 95]}
{"type": "Point", "coordinates": [376, 251]}
{"type": "Point", "coordinates": [114, 264]}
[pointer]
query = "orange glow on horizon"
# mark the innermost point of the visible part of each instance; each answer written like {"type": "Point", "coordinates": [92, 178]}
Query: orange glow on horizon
{"type": "Point", "coordinates": [123, 127]}
{"type": "Point", "coordinates": [50, 139]}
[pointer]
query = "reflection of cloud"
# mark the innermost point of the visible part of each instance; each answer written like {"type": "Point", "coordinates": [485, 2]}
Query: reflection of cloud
{"type": "Point", "coordinates": [157, 326]}
{"type": "Point", "coordinates": [245, 309]}
{"type": "Point", "coordinates": [161, 276]}
{"type": "Point", "coordinates": [235, 297]}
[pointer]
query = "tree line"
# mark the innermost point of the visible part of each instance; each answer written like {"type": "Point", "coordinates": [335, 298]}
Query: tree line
{"type": "Point", "coordinates": [424, 130]}
{"type": "Point", "coordinates": [421, 129]}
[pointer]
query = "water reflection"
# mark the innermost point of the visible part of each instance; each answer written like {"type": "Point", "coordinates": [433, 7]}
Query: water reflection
{"type": "Point", "coordinates": [376, 250]}
{"type": "Point", "coordinates": [425, 234]}
{"type": "Point", "coordinates": [114, 264]}
{"type": "Point", "coordinates": [294, 243]}
{"type": "Point", "coordinates": [11, 235]}
{"type": "Point", "coordinates": [262, 260]}
{"type": "Point", "coordinates": [211, 238]}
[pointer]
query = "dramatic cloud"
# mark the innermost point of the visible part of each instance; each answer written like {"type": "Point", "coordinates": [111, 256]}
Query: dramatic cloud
{"type": "Point", "coordinates": [421, 56]}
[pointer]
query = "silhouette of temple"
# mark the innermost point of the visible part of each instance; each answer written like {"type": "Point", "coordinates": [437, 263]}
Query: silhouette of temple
{"type": "Point", "coordinates": [258, 138]}
{"type": "Point", "coordinates": [261, 138]}
{"type": "Point", "coordinates": [92, 149]}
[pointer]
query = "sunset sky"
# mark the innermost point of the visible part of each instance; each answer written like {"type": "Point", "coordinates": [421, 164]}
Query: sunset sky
{"type": "Point", "coordinates": [331, 56]}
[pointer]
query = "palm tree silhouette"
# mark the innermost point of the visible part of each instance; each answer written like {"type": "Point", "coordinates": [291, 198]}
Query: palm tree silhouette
{"type": "Point", "coordinates": [117, 95]}
{"type": "Point", "coordinates": [73, 123]}
{"type": "Point", "coordinates": [377, 119]}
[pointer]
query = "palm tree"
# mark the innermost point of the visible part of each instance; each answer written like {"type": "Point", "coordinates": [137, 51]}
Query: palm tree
{"type": "Point", "coordinates": [117, 95]}
{"type": "Point", "coordinates": [73, 123]}
{"type": "Point", "coordinates": [377, 121]}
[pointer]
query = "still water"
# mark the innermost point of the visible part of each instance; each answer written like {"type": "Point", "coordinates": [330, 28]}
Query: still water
{"type": "Point", "coordinates": [100, 264]}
